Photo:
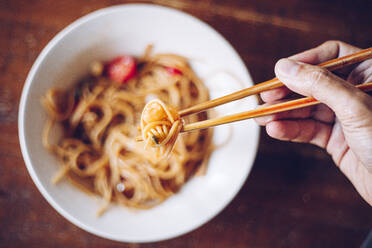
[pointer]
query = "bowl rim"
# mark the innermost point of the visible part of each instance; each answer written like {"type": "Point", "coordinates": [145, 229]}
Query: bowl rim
{"type": "Point", "coordinates": [25, 94]}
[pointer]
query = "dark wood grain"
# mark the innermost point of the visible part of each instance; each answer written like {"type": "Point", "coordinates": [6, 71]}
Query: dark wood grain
{"type": "Point", "coordinates": [294, 196]}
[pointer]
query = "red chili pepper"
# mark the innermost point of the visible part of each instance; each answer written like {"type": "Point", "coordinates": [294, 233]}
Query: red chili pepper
{"type": "Point", "coordinates": [121, 69]}
{"type": "Point", "coordinates": [173, 71]}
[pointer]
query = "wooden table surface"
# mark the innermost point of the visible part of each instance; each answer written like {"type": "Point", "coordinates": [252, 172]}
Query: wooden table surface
{"type": "Point", "coordinates": [294, 197]}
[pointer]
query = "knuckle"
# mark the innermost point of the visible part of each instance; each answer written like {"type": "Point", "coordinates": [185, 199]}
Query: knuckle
{"type": "Point", "coordinates": [317, 80]}
{"type": "Point", "coordinates": [318, 75]}
{"type": "Point", "coordinates": [332, 44]}
{"type": "Point", "coordinates": [302, 68]}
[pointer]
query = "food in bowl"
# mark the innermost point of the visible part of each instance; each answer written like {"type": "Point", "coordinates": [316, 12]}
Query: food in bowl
{"type": "Point", "coordinates": [100, 116]}
{"type": "Point", "coordinates": [160, 126]}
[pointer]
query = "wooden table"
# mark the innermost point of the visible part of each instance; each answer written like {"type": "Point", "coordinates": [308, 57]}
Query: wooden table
{"type": "Point", "coordinates": [294, 196]}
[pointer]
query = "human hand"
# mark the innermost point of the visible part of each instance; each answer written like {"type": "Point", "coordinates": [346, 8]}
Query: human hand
{"type": "Point", "coordinates": [342, 124]}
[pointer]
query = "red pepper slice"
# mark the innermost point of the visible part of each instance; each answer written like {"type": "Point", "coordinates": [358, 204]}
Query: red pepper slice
{"type": "Point", "coordinates": [173, 71]}
{"type": "Point", "coordinates": [121, 69]}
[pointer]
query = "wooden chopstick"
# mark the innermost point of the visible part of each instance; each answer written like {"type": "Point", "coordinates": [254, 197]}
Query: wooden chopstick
{"type": "Point", "coordinates": [330, 65]}
{"type": "Point", "coordinates": [267, 110]}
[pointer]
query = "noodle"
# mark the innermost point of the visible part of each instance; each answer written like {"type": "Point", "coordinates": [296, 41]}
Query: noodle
{"type": "Point", "coordinates": [160, 126]}
{"type": "Point", "coordinates": [98, 151]}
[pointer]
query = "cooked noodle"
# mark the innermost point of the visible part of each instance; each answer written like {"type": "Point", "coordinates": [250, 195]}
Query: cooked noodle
{"type": "Point", "coordinates": [160, 126]}
{"type": "Point", "coordinates": [100, 121]}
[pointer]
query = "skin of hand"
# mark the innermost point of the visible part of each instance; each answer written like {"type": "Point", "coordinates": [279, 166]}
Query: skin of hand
{"type": "Point", "coordinates": [342, 124]}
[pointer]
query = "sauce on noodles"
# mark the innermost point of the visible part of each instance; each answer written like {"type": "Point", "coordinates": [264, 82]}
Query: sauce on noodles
{"type": "Point", "coordinates": [100, 115]}
{"type": "Point", "coordinates": [160, 126]}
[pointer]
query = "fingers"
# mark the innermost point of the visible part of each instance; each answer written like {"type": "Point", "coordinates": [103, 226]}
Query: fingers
{"type": "Point", "coordinates": [343, 98]}
{"type": "Point", "coordinates": [275, 94]}
{"type": "Point", "coordinates": [362, 73]}
{"type": "Point", "coordinates": [308, 131]}
{"type": "Point", "coordinates": [323, 113]}
{"type": "Point", "coordinates": [326, 51]}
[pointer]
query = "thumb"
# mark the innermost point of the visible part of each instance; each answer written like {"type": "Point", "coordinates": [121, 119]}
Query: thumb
{"type": "Point", "coordinates": [309, 80]}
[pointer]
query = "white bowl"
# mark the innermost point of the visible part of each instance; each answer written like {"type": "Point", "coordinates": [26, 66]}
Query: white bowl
{"type": "Point", "coordinates": [127, 29]}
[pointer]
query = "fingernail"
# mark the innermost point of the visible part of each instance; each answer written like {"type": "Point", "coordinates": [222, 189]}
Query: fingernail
{"type": "Point", "coordinates": [287, 67]}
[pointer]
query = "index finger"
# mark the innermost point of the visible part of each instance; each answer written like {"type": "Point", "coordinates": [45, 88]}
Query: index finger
{"type": "Point", "coordinates": [328, 50]}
